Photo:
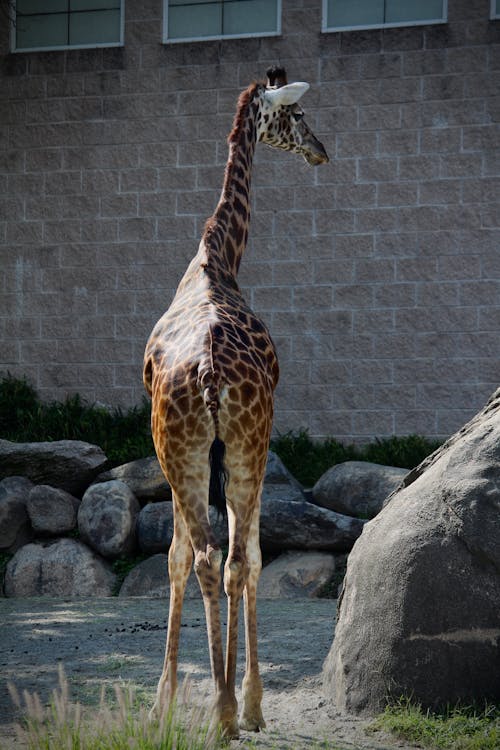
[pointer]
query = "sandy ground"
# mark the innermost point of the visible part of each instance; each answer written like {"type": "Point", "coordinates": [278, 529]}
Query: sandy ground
{"type": "Point", "coordinates": [109, 641]}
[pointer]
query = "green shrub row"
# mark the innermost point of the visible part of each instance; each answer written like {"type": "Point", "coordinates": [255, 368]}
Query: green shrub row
{"type": "Point", "coordinates": [308, 459]}
{"type": "Point", "coordinates": [125, 435]}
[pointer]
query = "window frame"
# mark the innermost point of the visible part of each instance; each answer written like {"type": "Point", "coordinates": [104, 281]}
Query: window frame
{"type": "Point", "coordinates": [494, 14]}
{"type": "Point", "coordinates": [52, 48]}
{"type": "Point", "coordinates": [397, 24]}
{"type": "Point", "coordinates": [218, 37]}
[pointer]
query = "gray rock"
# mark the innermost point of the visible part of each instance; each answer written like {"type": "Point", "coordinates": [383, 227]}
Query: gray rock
{"type": "Point", "coordinates": [150, 578]}
{"type": "Point", "coordinates": [107, 518]}
{"type": "Point", "coordinates": [15, 527]}
{"type": "Point", "coordinates": [357, 488]}
{"type": "Point", "coordinates": [63, 568]}
{"type": "Point", "coordinates": [296, 524]}
{"type": "Point", "coordinates": [155, 526]}
{"type": "Point", "coordinates": [279, 484]}
{"type": "Point", "coordinates": [296, 574]}
{"type": "Point", "coordinates": [277, 473]}
{"type": "Point", "coordinates": [419, 615]}
{"type": "Point", "coordinates": [144, 477]}
{"type": "Point", "coordinates": [70, 465]}
{"type": "Point", "coordinates": [52, 511]}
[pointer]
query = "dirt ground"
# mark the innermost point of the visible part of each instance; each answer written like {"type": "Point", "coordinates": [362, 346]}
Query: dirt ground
{"type": "Point", "coordinates": [108, 641]}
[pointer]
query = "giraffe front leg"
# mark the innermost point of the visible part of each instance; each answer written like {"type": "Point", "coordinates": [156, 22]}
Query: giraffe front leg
{"type": "Point", "coordinates": [251, 717]}
{"type": "Point", "coordinates": [180, 559]}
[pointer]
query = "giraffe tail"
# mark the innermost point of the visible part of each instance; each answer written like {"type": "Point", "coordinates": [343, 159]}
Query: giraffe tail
{"type": "Point", "coordinates": [218, 476]}
{"type": "Point", "coordinates": [218, 472]}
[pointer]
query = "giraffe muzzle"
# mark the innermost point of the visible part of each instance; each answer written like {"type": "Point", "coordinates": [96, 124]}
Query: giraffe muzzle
{"type": "Point", "coordinates": [314, 153]}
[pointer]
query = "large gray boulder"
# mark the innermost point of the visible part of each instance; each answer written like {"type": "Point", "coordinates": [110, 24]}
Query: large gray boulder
{"type": "Point", "coordinates": [70, 465]}
{"type": "Point", "coordinates": [144, 477]}
{"type": "Point", "coordinates": [419, 615]}
{"type": "Point", "coordinates": [150, 578]}
{"type": "Point", "coordinates": [107, 519]}
{"type": "Point", "coordinates": [62, 568]}
{"type": "Point", "coordinates": [279, 484]}
{"type": "Point", "coordinates": [287, 521]}
{"type": "Point", "coordinates": [155, 527]}
{"type": "Point", "coordinates": [15, 527]}
{"type": "Point", "coordinates": [357, 488]}
{"type": "Point", "coordinates": [51, 511]}
{"type": "Point", "coordinates": [295, 575]}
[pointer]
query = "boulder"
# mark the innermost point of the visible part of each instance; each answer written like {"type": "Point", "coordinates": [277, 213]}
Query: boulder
{"type": "Point", "coordinates": [107, 518]}
{"type": "Point", "coordinates": [62, 568]}
{"type": "Point", "coordinates": [15, 527]}
{"type": "Point", "coordinates": [70, 465]}
{"type": "Point", "coordinates": [279, 484]}
{"type": "Point", "coordinates": [155, 526]}
{"type": "Point", "coordinates": [357, 488]}
{"type": "Point", "coordinates": [277, 473]}
{"type": "Point", "coordinates": [296, 574]}
{"type": "Point", "coordinates": [287, 521]}
{"type": "Point", "coordinates": [150, 578]}
{"type": "Point", "coordinates": [144, 477]}
{"type": "Point", "coordinates": [51, 511]}
{"type": "Point", "coordinates": [419, 614]}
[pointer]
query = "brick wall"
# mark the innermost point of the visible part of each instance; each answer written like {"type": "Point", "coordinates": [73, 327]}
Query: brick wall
{"type": "Point", "coordinates": [378, 274]}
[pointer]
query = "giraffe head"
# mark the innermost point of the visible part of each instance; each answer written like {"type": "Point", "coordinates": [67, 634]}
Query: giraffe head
{"type": "Point", "coordinates": [281, 121]}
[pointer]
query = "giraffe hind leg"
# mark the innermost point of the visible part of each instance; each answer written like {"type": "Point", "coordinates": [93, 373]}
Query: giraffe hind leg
{"type": "Point", "coordinates": [207, 566]}
{"type": "Point", "coordinates": [240, 577]}
{"type": "Point", "coordinates": [180, 558]}
{"type": "Point", "coordinates": [251, 718]}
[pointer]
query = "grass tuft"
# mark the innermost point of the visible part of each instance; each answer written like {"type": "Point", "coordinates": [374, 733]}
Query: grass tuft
{"type": "Point", "coordinates": [459, 728]}
{"type": "Point", "coordinates": [120, 724]}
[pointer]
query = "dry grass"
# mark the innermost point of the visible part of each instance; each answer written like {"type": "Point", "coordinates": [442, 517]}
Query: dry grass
{"type": "Point", "coordinates": [116, 724]}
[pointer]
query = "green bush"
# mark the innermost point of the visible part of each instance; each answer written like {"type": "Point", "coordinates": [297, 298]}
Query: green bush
{"type": "Point", "coordinates": [308, 459]}
{"type": "Point", "coordinates": [406, 452]}
{"type": "Point", "coordinates": [125, 435]}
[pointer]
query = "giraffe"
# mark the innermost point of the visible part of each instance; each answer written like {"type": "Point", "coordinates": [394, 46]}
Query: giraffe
{"type": "Point", "coordinates": [211, 368]}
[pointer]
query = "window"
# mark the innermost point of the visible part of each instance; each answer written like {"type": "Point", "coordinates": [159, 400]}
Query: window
{"type": "Point", "coordinates": [343, 15]}
{"type": "Point", "coordinates": [192, 20]}
{"type": "Point", "coordinates": [59, 24]}
{"type": "Point", "coordinates": [495, 9]}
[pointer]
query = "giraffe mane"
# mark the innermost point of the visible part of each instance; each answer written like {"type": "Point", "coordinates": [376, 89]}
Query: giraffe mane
{"type": "Point", "coordinates": [246, 96]}
{"type": "Point", "coordinates": [244, 100]}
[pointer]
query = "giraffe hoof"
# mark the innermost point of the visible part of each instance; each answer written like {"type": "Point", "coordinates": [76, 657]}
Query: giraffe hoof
{"type": "Point", "coordinates": [252, 723]}
{"type": "Point", "coordinates": [231, 730]}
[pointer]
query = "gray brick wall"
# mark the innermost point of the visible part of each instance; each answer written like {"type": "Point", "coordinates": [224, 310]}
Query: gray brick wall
{"type": "Point", "coordinates": [379, 274]}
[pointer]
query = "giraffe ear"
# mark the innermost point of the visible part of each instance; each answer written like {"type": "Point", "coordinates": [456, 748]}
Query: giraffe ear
{"type": "Point", "coordinates": [288, 94]}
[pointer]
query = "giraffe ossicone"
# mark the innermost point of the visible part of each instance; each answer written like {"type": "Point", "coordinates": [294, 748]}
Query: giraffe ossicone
{"type": "Point", "coordinates": [210, 367]}
{"type": "Point", "coordinates": [288, 94]}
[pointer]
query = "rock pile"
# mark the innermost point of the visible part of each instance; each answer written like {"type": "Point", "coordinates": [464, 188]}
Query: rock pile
{"type": "Point", "coordinates": [66, 522]}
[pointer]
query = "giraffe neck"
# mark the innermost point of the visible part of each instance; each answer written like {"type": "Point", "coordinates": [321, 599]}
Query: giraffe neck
{"type": "Point", "coordinates": [226, 232]}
